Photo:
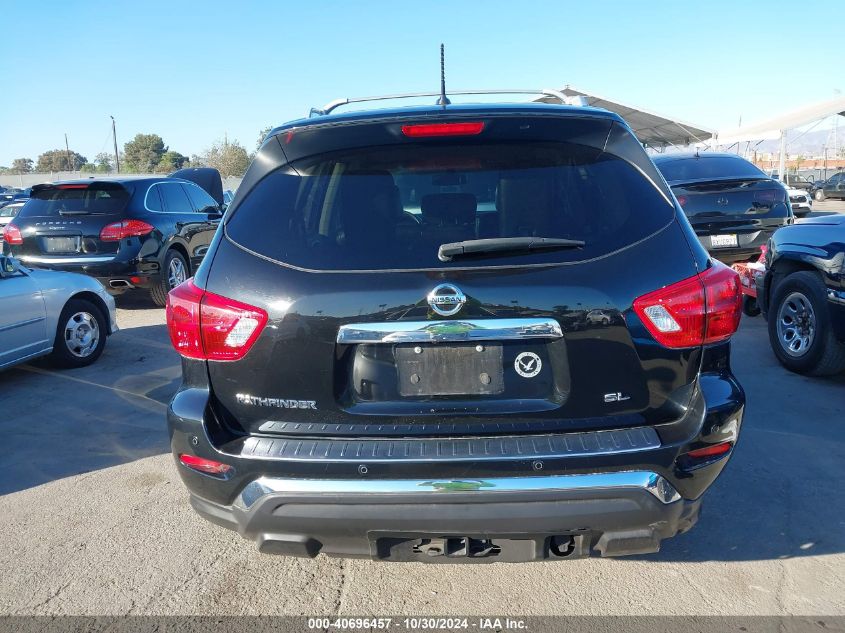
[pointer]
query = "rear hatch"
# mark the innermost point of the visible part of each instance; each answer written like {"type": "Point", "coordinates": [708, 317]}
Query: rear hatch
{"type": "Point", "coordinates": [375, 328]}
{"type": "Point", "coordinates": [727, 200]}
{"type": "Point", "coordinates": [64, 221]}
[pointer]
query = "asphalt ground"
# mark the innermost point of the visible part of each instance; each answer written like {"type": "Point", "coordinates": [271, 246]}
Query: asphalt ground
{"type": "Point", "coordinates": [95, 521]}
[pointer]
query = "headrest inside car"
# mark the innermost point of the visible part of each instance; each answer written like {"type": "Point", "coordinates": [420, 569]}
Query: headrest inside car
{"type": "Point", "coordinates": [449, 208]}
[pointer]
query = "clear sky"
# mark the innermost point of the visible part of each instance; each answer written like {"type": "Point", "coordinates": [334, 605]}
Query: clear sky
{"type": "Point", "coordinates": [194, 71]}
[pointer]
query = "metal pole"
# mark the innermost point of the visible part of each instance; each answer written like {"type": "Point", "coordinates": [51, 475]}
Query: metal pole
{"type": "Point", "coordinates": [824, 163]}
{"type": "Point", "coordinates": [67, 149]}
{"type": "Point", "coordinates": [782, 164]}
{"type": "Point", "coordinates": [114, 136]}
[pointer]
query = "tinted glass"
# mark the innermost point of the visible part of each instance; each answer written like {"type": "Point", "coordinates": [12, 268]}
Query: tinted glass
{"type": "Point", "coordinates": [390, 208]}
{"type": "Point", "coordinates": [153, 199]}
{"type": "Point", "coordinates": [202, 201]}
{"type": "Point", "coordinates": [95, 199]}
{"type": "Point", "coordinates": [175, 198]}
{"type": "Point", "coordinates": [706, 167]}
{"type": "Point", "coordinates": [10, 210]}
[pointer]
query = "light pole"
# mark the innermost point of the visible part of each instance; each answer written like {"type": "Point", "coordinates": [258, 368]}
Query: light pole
{"type": "Point", "coordinates": [114, 137]}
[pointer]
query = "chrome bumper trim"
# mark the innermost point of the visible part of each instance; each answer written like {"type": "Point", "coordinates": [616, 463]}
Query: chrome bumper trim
{"type": "Point", "coordinates": [479, 489]}
{"type": "Point", "coordinates": [836, 296]}
{"type": "Point", "coordinates": [94, 259]}
{"type": "Point", "coordinates": [446, 331]}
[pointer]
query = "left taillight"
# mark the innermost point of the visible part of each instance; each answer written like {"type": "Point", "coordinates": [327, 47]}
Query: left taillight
{"type": "Point", "coordinates": [117, 231]}
{"type": "Point", "coordinates": [207, 326]}
{"type": "Point", "coordinates": [12, 235]}
{"type": "Point", "coordinates": [206, 466]}
{"type": "Point", "coordinates": [696, 311]}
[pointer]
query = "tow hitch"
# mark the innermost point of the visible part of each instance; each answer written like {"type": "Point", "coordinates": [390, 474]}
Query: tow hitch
{"type": "Point", "coordinates": [461, 546]}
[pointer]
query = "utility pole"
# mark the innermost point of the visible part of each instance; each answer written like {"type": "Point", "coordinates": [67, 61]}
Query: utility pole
{"type": "Point", "coordinates": [67, 150]}
{"type": "Point", "coordinates": [114, 136]}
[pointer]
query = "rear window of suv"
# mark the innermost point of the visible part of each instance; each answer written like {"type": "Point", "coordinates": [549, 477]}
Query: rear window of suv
{"type": "Point", "coordinates": [94, 199]}
{"type": "Point", "coordinates": [392, 207]}
{"type": "Point", "coordinates": [707, 167]}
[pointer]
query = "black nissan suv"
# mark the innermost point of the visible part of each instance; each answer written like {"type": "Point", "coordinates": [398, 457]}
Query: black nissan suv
{"type": "Point", "coordinates": [145, 233]}
{"type": "Point", "coordinates": [463, 333]}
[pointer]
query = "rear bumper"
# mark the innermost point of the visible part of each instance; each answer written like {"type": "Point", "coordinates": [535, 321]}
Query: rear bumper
{"type": "Point", "coordinates": [117, 273]}
{"type": "Point", "coordinates": [496, 520]}
{"type": "Point", "coordinates": [749, 241]}
{"type": "Point", "coordinates": [614, 502]}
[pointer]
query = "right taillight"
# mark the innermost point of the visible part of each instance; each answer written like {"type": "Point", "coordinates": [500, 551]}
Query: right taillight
{"type": "Point", "coordinates": [12, 235]}
{"type": "Point", "coordinates": [699, 310]}
{"type": "Point", "coordinates": [117, 231]}
{"type": "Point", "coordinates": [207, 326]}
{"type": "Point", "coordinates": [770, 196]}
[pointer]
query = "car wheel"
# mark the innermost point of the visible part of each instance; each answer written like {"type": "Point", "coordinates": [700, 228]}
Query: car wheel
{"type": "Point", "coordinates": [174, 272]}
{"type": "Point", "coordinates": [80, 335]}
{"type": "Point", "coordinates": [819, 195]}
{"type": "Point", "coordinates": [799, 325]}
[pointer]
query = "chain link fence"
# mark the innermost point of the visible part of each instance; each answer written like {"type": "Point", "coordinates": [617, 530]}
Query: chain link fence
{"type": "Point", "coordinates": [22, 181]}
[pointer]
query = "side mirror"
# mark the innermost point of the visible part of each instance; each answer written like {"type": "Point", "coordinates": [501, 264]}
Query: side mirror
{"type": "Point", "coordinates": [8, 266]}
{"type": "Point", "coordinates": [214, 214]}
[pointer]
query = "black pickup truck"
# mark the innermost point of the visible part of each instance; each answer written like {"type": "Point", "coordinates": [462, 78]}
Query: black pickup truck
{"type": "Point", "coordinates": [802, 293]}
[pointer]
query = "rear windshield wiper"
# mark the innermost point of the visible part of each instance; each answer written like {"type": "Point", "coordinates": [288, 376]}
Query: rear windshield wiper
{"type": "Point", "coordinates": [504, 246]}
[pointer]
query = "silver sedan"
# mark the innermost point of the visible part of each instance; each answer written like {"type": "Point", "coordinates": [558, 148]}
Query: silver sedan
{"type": "Point", "coordinates": [44, 312]}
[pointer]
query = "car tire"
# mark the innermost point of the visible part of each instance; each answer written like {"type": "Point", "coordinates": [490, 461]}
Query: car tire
{"type": "Point", "coordinates": [819, 195]}
{"type": "Point", "coordinates": [80, 335]}
{"type": "Point", "coordinates": [800, 331]}
{"type": "Point", "coordinates": [750, 307]}
{"type": "Point", "coordinates": [174, 272]}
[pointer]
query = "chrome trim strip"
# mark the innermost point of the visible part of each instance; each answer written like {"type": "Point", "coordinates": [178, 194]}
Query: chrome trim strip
{"type": "Point", "coordinates": [836, 296]}
{"type": "Point", "coordinates": [95, 259]}
{"type": "Point", "coordinates": [12, 326]}
{"type": "Point", "coordinates": [444, 331]}
{"type": "Point", "coordinates": [649, 482]}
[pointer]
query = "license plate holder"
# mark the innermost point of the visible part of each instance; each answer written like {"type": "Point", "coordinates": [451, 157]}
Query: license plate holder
{"type": "Point", "coordinates": [62, 244]}
{"type": "Point", "coordinates": [724, 241]}
{"type": "Point", "coordinates": [462, 369]}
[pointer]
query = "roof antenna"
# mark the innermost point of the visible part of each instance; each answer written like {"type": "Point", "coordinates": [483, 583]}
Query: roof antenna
{"type": "Point", "coordinates": [443, 100]}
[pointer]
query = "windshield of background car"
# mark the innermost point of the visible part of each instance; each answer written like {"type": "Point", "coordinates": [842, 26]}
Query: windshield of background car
{"type": "Point", "coordinates": [392, 207]}
{"type": "Point", "coordinates": [99, 199]}
{"type": "Point", "coordinates": [707, 167]}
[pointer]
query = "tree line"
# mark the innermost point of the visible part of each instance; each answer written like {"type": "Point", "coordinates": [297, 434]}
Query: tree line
{"type": "Point", "coordinates": [146, 153]}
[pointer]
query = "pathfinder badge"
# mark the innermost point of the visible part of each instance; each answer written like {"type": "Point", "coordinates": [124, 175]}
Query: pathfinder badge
{"type": "Point", "coordinates": [281, 403]}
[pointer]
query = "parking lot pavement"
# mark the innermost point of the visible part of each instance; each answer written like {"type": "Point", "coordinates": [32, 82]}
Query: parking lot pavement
{"type": "Point", "coordinates": [121, 539]}
{"type": "Point", "coordinates": [826, 207]}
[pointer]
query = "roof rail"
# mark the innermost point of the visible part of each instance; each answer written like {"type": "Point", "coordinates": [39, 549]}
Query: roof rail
{"type": "Point", "coordinates": [557, 94]}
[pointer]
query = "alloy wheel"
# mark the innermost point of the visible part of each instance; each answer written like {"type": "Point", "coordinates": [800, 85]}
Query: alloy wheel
{"type": "Point", "coordinates": [82, 334]}
{"type": "Point", "coordinates": [176, 272]}
{"type": "Point", "coordinates": [796, 324]}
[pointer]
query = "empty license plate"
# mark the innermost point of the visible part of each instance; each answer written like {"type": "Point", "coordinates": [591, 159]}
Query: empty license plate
{"type": "Point", "coordinates": [449, 370]}
{"type": "Point", "coordinates": [62, 244]}
{"type": "Point", "coordinates": [723, 240]}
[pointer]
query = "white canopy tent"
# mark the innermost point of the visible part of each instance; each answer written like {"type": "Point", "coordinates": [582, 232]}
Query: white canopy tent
{"type": "Point", "coordinates": [653, 130]}
{"type": "Point", "coordinates": [777, 127]}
